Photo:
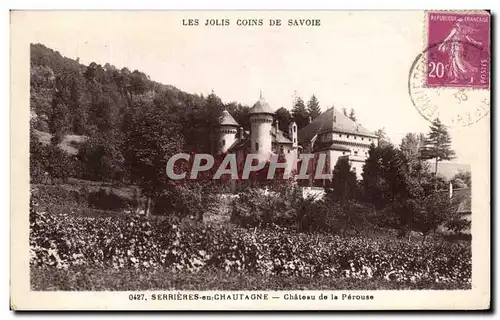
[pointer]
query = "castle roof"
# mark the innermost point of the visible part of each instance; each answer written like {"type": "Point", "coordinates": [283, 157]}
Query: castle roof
{"type": "Point", "coordinates": [228, 120]}
{"type": "Point", "coordinates": [332, 121]}
{"type": "Point", "coordinates": [330, 146]}
{"type": "Point", "coordinates": [239, 144]}
{"type": "Point", "coordinates": [261, 106]}
{"type": "Point", "coordinates": [280, 137]}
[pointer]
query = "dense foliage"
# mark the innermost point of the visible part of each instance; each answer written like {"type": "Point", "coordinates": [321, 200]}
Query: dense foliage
{"type": "Point", "coordinates": [111, 107]}
{"type": "Point", "coordinates": [65, 241]}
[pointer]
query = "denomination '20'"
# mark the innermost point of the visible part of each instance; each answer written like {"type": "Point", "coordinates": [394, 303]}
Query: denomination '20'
{"type": "Point", "coordinates": [436, 69]}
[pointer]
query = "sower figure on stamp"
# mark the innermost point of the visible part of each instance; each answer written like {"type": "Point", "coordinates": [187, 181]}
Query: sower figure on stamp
{"type": "Point", "coordinates": [454, 44]}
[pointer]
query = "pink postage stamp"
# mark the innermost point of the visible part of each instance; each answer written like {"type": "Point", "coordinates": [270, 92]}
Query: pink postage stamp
{"type": "Point", "coordinates": [459, 50]}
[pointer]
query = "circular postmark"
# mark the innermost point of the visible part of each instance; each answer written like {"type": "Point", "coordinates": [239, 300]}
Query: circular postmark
{"type": "Point", "coordinates": [439, 87]}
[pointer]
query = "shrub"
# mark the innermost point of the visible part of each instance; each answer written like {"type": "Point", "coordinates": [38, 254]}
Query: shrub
{"type": "Point", "coordinates": [276, 205]}
{"type": "Point", "coordinates": [107, 200]}
{"type": "Point", "coordinates": [49, 162]}
{"type": "Point", "coordinates": [192, 198]}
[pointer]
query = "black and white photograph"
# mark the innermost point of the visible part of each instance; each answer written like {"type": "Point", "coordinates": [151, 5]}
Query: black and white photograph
{"type": "Point", "coordinates": [251, 160]}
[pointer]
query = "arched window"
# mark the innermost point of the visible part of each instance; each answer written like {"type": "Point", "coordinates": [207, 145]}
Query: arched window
{"type": "Point", "coordinates": [294, 129]}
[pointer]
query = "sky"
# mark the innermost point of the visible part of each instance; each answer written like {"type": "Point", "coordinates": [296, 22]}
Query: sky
{"type": "Point", "coordinates": [358, 60]}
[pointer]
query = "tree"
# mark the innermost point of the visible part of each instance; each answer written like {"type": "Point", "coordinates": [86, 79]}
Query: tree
{"type": "Point", "coordinates": [384, 174]}
{"type": "Point", "coordinates": [284, 118]}
{"type": "Point", "coordinates": [299, 113]}
{"type": "Point", "coordinates": [418, 179]}
{"type": "Point", "coordinates": [434, 210]}
{"type": "Point", "coordinates": [383, 140]}
{"type": "Point", "coordinates": [313, 107]}
{"type": "Point", "coordinates": [343, 182]}
{"type": "Point", "coordinates": [151, 138]}
{"type": "Point", "coordinates": [344, 111]}
{"type": "Point", "coordinates": [352, 116]}
{"type": "Point", "coordinates": [240, 114]}
{"type": "Point", "coordinates": [342, 211]}
{"type": "Point", "coordinates": [59, 116]}
{"type": "Point", "coordinates": [437, 145]}
{"type": "Point", "coordinates": [461, 180]}
{"type": "Point", "coordinates": [458, 183]}
{"type": "Point", "coordinates": [412, 144]}
{"type": "Point", "coordinates": [78, 105]}
{"type": "Point", "coordinates": [38, 159]}
{"type": "Point", "coordinates": [101, 158]}
{"type": "Point", "coordinates": [48, 162]}
{"type": "Point", "coordinates": [139, 83]}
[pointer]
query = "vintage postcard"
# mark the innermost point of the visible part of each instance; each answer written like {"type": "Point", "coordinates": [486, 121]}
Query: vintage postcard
{"type": "Point", "coordinates": [250, 160]}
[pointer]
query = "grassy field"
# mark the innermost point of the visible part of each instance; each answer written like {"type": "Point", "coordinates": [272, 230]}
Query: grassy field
{"type": "Point", "coordinates": [89, 279]}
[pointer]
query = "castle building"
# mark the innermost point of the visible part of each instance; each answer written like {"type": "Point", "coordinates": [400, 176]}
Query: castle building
{"type": "Point", "coordinates": [337, 136]}
{"type": "Point", "coordinates": [331, 133]}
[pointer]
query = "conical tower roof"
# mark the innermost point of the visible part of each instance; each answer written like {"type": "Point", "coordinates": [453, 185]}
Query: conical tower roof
{"type": "Point", "coordinates": [228, 120]}
{"type": "Point", "coordinates": [261, 106]}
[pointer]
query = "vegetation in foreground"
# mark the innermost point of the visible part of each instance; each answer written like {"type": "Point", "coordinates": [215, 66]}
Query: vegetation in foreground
{"type": "Point", "coordinates": [99, 279]}
{"type": "Point", "coordinates": [74, 248]}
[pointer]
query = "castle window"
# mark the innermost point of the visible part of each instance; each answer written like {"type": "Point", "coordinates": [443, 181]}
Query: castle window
{"type": "Point", "coordinates": [340, 135]}
{"type": "Point", "coordinates": [334, 118]}
{"type": "Point", "coordinates": [356, 152]}
{"type": "Point", "coordinates": [369, 139]}
{"type": "Point", "coordinates": [294, 140]}
{"type": "Point", "coordinates": [362, 138]}
{"type": "Point", "coordinates": [256, 146]}
{"type": "Point", "coordinates": [294, 129]}
{"type": "Point", "coordinates": [223, 142]}
{"type": "Point", "coordinates": [347, 136]}
{"type": "Point", "coordinates": [343, 152]}
{"type": "Point", "coordinates": [288, 150]}
{"type": "Point", "coordinates": [355, 137]}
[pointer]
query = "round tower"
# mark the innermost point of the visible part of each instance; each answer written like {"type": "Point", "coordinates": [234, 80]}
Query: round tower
{"type": "Point", "coordinates": [227, 132]}
{"type": "Point", "coordinates": [261, 120]}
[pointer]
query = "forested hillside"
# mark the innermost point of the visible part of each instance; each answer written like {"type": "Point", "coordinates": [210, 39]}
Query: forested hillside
{"type": "Point", "coordinates": [112, 109]}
